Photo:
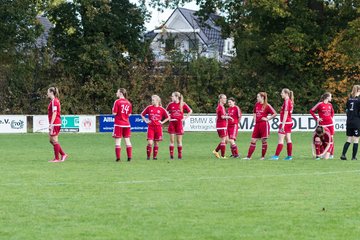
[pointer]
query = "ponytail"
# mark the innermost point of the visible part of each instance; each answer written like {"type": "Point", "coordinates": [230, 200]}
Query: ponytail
{"type": "Point", "coordinates": [181, 102]}
{"type": "Point", "coordinates": [181, 99]}
{"type": "Point", "coordinates": [123, 92]}
{"type": "Point", "coordinates": [55, 91]}
{"type": "Point", "coordinates": [289, 93]}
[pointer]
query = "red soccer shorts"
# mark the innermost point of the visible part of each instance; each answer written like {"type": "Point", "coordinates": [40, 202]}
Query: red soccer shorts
{"type": "Point", "coordinates": [176, 127]}
{"type": "Point", "coordinates": [54, 131]}
{"type": "Point", "coordinates": [121, 132]}
{"type": "Point", "coordinates": [287, 128]}
{"type": "Point", "coordinates": [154, 132]}
{"type": "Point", "coordinates": [222, 133]}
{"type": "Point", "coordinates": [233, 131]}
{"type": "Point", "coordinates": [261, 130]}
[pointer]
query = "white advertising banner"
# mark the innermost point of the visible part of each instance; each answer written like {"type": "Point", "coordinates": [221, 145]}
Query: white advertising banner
{"type": "Point", "coordinates": [40, 124]}
{"type": "Point", "coordinates": [69, 123]}
{"type": "Point", "coordinates": [303, 123]}
{"type": "Point", "coordinates": [13, 124]}
{"type": "Point", "coordinates": [87, 124]}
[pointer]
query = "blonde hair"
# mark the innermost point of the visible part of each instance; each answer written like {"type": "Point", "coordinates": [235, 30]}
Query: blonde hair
{"type": "Point", "coordinates": [355, 89]}
{"type": "Point", "coordinates": [290, 93]}
{"type": "Point", "coordinates": [158, 98]}
{"type": "Point", "coordinates": [221, 96]}
{"type": "Point", "coordinates": [123, 92]}
{"type": "Point", "coordinates": [54, 90]}
{"type": "Point", "coordinates": [181, 98]}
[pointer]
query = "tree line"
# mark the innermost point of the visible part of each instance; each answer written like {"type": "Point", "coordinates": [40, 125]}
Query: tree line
{"type": "Point", "coordinates": [97, 46]}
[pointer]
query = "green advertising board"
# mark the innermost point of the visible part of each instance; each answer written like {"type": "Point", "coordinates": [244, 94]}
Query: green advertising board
{"type": "Point", "coordinates": [70, 124]}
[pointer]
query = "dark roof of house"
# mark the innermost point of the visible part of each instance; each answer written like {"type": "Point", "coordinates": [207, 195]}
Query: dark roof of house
{"type": "Point", "coordinates": [41, 41]}
{"type": "Point", "coordinates": [210, 33]}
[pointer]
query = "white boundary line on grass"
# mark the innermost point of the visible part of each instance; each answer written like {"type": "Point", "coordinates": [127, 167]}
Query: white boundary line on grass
{"type": "Point", "coordinates": [191, 179]}
{"type": "Point", "coordinates": [238, 177]}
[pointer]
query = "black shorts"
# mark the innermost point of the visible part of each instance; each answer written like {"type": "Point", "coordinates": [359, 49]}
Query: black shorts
{"type": "Point", "coordinates": [352, 132]}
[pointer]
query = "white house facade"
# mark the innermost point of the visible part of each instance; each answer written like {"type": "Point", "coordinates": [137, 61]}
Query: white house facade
{"type": "Point", "coordinates": [184, 32]}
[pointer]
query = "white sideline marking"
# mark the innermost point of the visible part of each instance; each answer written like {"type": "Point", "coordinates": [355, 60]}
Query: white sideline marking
{"type": "Point", "coordinates": [189, 179]}
{"type": "Point", "coordinates": [236, 177]}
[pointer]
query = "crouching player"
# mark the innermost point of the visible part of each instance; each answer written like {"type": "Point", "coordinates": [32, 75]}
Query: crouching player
{"type": "Point", "coordinates": [322, 143]}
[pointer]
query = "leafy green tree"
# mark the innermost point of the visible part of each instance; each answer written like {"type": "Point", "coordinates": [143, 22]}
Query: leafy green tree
{"type": "Point", "coordinates": [94, 42]}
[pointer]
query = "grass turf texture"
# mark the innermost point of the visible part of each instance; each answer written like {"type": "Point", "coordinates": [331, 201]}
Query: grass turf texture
{"type": "Point", "coordinates": [90, 196]}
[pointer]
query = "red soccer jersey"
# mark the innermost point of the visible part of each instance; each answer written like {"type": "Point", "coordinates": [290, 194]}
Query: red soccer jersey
{"type": "Point", "coordinates": [287, 106]}
{"type": "Point", "coordinates": [155, 114]}
{"type": "Point", "coordinates": [54, 106]}
{"type": "Point", "coordinates": [220, 123]}
{"type": "Point", "coordinates": [235, 113]}
{"type": "Point", "coordinates": [175, 113]}
{"type": "Point", "coordinates": [325, 111]}
{"type": "Point", "coordinates": [261, 112]}
{"type": "Point", "coordinates": [325, 138]}
{"type": "Point", "coordinates": [122, 109]}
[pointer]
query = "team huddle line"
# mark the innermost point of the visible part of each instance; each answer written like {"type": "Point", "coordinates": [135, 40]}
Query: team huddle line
{"type": "Point", "coordinates": [227, 125]}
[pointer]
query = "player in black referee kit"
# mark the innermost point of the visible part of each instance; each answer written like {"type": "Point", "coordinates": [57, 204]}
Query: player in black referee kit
{"type": "Point", "coordinates": [352, 122]}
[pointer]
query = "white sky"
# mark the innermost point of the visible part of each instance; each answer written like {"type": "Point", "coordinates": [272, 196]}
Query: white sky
{"type": "Point", "coordinates": [157, 18]}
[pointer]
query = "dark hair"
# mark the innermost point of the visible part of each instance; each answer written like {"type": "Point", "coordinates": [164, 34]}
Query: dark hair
{"type": "Point", "coordinates": [231, 99]}
{"type": "Point", "coordinates": [319, 130]}
{"type": "Point", "coordinates": [54, 90]}
{"type": "Point", "coordinates": [123, 92]}
{"type": "Point", "coordinates": [324, 96]}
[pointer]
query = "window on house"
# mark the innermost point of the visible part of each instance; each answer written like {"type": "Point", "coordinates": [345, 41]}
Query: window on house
{"type": "Point", "coordinates": [169, 44]}
{"type": "Point", "coordinates": [193, 44]}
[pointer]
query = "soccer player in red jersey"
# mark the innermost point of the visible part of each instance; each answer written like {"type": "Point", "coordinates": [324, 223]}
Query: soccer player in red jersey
{"type": "Point", "coordinates": [322, 142]}
{"type": "Point", "coordinates": [221, 126]}
{"type": "Point", "coordinates": [233, 126]}
{"type": "Point", "coordinates": [176, 109]}
{"type": "Point", "coordinates": [263, 113]}
{"type": "Point", "coordinates": [326, 113]}
{"type": "Point", "coordinates": [54, 110]}
{"type": "Point", "coordinates": [156, 113]}
{"type": "Point", "coordinates": [286, 124]}
{"type": "Point", "coordinates": [122, 109]}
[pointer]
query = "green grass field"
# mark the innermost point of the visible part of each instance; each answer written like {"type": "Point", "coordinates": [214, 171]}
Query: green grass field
{"type": "Point", "coordinates": [90, 196]}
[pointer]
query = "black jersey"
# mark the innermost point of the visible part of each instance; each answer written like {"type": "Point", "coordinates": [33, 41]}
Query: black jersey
{"type": "Point", "coordinates": [353, 113]}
